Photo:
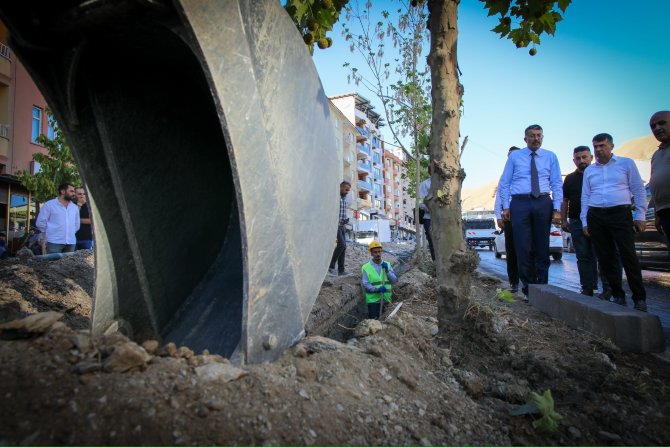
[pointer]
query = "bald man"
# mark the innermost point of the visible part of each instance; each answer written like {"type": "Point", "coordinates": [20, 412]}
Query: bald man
{"type": "Point", "coordinates": [660, 171]}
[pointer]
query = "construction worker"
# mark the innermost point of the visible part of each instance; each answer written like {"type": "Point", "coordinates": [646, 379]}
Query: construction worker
{"type": "Point", "coordinates": [377, 276]}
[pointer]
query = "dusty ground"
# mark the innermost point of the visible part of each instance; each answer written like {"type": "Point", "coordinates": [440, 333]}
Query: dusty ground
{"type": "Point", "coordinates": [398, 385]}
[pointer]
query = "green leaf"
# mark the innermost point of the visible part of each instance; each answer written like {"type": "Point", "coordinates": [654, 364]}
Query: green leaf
{"type": "Point", "coordinates": [563, 4]}
{"type": "Point", "coordinates": [550, 418]}
{"type": "Point", "coordinates": [505, 295]}
{"type": "Point", "coordinates": [497, 6]}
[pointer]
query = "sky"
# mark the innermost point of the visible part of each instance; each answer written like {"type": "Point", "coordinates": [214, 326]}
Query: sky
{"type": "Point", "coordinates": [607, 69]}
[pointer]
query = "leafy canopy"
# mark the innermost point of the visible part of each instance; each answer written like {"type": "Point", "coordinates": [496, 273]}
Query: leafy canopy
{"type": "Point", "coordinates": [521, 21]}
{"type": "Point", "coordinates": [56, 166]}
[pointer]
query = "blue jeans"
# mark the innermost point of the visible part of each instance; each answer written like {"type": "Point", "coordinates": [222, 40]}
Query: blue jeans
{"type": "Point", "coordinates": [340, 249]}
{"type": "Point", "coordinates": [84, 245]}
{"type": "Point", "coordinates": [59, 248]}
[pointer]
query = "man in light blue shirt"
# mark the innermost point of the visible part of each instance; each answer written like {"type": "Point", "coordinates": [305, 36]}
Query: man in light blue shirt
{"type": "Point", "coordinates": [531, 192]}
{"type": "Point", "coordinates": [606, 217]}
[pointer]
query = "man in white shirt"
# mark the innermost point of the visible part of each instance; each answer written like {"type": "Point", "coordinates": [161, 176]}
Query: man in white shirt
{"type": "Point", "coordinates": [606, 217]}
{"type": "Point", "coordinates": [424, 189]}
{"type": "Point", "coordinates": [59, 220]}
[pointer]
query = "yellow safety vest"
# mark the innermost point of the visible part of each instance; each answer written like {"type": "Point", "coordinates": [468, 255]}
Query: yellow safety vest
{"type": "Point", "coordinates": [375, 279]}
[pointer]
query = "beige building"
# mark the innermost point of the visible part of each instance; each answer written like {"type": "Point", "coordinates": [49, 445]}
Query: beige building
{"type": "Point", "coordinates": [369, 197]}
{"type": "Point", "coordinates": [377, 176]}
{"type": "Point", "coordinates": [345, 133]}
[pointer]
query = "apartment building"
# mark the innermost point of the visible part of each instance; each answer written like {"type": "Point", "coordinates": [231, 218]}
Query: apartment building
{"type": "Point", "coordinates": [398, 204]}
{"type": "Point", "coordinates": [22, 119]}
{"type": "Point", "coordinates": [369, 196]}
{"type": "Point", "coordinates": [345, 134]}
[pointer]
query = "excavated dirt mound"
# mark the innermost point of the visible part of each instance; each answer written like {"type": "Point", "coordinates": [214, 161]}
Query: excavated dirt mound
{"type": "Point", "coordinates": [394, 383]}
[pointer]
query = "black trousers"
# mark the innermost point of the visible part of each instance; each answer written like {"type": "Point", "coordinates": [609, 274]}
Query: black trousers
{"type": "Point", "coordinates": [664, 215]}
{"type": "Point", "coordinates": [611, 229]}
{"type": "Point", "coordinates": [340, 249]}
{"type": "Point", "coordinates": [429, 238]}
{"type": "Point", "coordinates": [510, 254]}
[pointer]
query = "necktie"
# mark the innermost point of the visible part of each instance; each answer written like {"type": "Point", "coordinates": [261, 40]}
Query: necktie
{"type": "Point", "coordinates": [534, 179]}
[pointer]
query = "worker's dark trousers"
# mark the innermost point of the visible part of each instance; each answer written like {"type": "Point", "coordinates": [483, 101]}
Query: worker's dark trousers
{"type": "Point", "coordinates": [340, 250]}
{"type": "Point", "coordinates": [611, 228]}
{"type": "Point", "coordinates": [374, 308]}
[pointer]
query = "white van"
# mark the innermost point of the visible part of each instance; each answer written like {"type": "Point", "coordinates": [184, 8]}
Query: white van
{"type": "Point", "coordinates": [365, 237]}
{"type": "Point", "coordinates": [480, 231]}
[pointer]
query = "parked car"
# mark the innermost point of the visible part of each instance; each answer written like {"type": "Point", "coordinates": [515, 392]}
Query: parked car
{"type": "Point", "coordinates": [650, 245]}
{"type": "Point", "coordinates": [480, 231]}
{"type": "Point", "coordinates": [555, 243]}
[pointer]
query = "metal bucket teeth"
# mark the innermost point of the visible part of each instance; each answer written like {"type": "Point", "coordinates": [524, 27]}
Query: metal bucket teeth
{"type": "Point", "coordinates": [204, 137]}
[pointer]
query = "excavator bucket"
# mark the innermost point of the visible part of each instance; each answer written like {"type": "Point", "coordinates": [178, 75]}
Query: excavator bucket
{"type": "Point", "coordinates": [203, 134]}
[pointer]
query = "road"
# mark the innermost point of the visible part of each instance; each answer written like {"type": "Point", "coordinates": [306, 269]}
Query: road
{"type": "Point", "coordinates": [564, 274]}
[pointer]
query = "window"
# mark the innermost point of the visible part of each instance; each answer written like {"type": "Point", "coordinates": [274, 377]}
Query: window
{"type": "Point", "coordinates": [37, 124]}
{"type": "Point", "coordinates": [51, 130]}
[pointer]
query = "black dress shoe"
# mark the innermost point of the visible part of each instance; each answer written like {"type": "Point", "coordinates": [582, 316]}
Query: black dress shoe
{"type": "Point", "coordinates": [606, 294]}
{"type": "Point", "coordinates": [621, 301]}
{"type": "Point", "coordinates": [587, 292]}
{"type": "Point", "coordinates": [640, 305]}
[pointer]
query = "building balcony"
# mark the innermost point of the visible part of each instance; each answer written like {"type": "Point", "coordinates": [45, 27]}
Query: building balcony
{"type": "Point", "coordinates": [4, 147]}
{"type": "Point", "coordinates": [5, 60]}
{"type": "Point", "coordinates": [364, 149]}
{"type": "Point", "coordinates": [364, 203]}
{"type": "Point", "coordinates": [364, 166]}
{"type": "Point", "coordinates": [363, 132]}
{"type": "Point", "coordinates": [364, 186]}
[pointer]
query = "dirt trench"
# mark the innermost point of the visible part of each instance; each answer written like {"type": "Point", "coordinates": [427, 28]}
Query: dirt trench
{"type": "Point", "coordinates": [391, 384]}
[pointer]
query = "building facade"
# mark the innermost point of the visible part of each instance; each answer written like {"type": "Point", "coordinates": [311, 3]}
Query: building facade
{"type": "Point", "coordinates": [345, 134]}
{"type": "Point", "coordinates": [398, 204]}
{"type": "Point", "coordinates": [379, 184]}
{"type": "Point", "coordinates": [369, 191]}
{"type": "Point", "coordinates": [23, 117]}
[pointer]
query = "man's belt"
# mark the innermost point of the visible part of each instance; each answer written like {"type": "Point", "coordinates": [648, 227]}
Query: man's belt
{"type": "Point", "coordinates": [529, 196]}
{"type": "Point", "coordinates": [610, 209]}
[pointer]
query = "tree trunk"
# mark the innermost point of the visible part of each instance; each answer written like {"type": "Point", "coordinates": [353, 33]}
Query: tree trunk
{"type": "Point", "coordinates": [454, 262]}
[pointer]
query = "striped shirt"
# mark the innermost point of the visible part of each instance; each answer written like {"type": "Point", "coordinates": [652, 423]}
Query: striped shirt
{"type": "Point", "coordinates": [344, 204]}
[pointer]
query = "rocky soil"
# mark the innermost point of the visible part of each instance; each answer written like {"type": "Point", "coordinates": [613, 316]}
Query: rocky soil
{"type": "Point", "coordinates": [350, 381]}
